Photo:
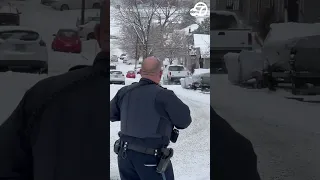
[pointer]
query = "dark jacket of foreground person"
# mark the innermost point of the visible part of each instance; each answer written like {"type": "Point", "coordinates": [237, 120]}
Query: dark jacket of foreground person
{"type": "Point", "coordinates": [68, 138]}
{"type": "Point", "coordinates": [232, 155]}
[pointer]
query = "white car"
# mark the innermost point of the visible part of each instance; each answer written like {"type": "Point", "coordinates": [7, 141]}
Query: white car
{"type": "Point", "coordinates": [173, 73]}
{"type": "Point", "coordinates": [63, 5]}
{"type": "Point", "coordinates": [113, 66]}
{"type": "Point", "coordinates": [22, 49]}
{"type": "Point", "coordinates": [87, 30]}
{"type": "Point", "coordinates": [117, 77]}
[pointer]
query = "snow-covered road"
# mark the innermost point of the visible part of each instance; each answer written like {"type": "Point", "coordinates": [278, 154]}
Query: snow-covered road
{"type": "Point", "coordinates": [190, 153]}
{"type": "Point", "coordinates": [285, 133]}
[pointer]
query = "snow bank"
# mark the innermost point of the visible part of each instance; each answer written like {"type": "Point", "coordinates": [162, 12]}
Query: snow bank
{"type": "Point", "coordinates": [264, 105]}
{"type": "Point", "coordinates": [201, 71]}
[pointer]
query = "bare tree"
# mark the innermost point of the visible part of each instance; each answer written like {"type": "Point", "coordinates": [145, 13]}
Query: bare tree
{"type": "Point", "coordinates": [150, 22]}
{"type": "Point", "coordinates": [174, 46]}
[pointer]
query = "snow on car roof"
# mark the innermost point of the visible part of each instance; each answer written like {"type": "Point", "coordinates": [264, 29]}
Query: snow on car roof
{"type": "Point", "coordinates": [8, 9]}
{"type": "Point", "coordinates": [15, 28]}
{"type": "Point", "coordinates": [283, 31]}
{"type": "Point", "coordinates": [201, 71]}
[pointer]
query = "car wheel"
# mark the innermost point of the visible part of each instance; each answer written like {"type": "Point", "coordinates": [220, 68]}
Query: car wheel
{"type": "Point", "coordinates": [64, 7]}
{"type": "Point", "coordinates": [96, 6]}
{"type": "Point", "coordinates": [90, 36]}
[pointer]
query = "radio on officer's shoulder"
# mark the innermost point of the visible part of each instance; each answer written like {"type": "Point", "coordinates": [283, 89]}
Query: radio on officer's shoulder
{"type": "Point", "coordinates": [174, 135]}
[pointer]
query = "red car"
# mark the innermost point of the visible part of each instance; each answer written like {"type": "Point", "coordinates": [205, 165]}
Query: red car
{"type": "Point", "coordinates": [131, 74]}
{"type": "Point", "coordinates": [67, 40]}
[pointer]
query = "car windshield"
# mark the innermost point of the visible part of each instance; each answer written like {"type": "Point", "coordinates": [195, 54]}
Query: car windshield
{"type": "Point", "coordinates": [130, 72]}
{"type": "Point", "coordinates": [176, 68]}
{"type": "Point", "coordinates": [115, 72]}
{"type": "Point", "coordinates": [123, 54]}
{"type": "Point", "coordinates": [67, 33]}
{"type": "Point", "coordinates": [19, 35]}
{"type": "Point", "coordinates": [222, 21]}
{"type": "Point", "coordinates": [9, 19]}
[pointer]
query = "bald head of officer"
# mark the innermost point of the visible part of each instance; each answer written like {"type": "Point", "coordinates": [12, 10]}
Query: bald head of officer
{"type": "Point", "coordinates": [151, 69]}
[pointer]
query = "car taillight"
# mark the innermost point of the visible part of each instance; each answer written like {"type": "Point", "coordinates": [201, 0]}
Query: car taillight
{"type": "Point", "coordinates": [249, 38]}
{"type": "Point", "coordinates": [42, 43]}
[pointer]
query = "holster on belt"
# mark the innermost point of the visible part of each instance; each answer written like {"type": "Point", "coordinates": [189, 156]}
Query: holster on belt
{"type": "Point", "coordinates": [166, 155]}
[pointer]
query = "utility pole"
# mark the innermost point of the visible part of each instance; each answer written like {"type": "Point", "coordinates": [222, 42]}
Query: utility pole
{"type": "Point", "coordinates": [83, 7]}
{"type": "Point", "coordinates": [137, 56]}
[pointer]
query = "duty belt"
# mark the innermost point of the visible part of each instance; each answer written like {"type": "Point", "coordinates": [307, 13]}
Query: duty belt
{"type": "Point", "coordinates": [150, 151]}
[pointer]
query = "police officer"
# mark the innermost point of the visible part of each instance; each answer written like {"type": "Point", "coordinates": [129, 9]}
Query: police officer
{"type": "Point", "coordinates": [148, 114]}
{"type": "Point", "coordinates": [58, 130]}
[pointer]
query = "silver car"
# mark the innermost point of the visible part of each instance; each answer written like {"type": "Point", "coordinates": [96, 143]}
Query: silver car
{"type": "Point", "coordinates": [117, 77]}
{"type": "Point", "coordinates": [22, 49]}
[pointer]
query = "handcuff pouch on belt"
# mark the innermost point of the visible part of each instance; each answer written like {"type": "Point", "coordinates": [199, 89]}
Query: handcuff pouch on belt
{"type": "Point", "coordinates": [166, 155]}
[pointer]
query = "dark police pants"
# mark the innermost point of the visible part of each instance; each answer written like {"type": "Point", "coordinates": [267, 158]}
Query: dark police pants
{"type": "Point", "coordinates": [138, 166]}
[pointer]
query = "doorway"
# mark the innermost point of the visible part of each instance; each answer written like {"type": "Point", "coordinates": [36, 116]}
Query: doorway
{"type": "Point", "coordinates": [293, 10]}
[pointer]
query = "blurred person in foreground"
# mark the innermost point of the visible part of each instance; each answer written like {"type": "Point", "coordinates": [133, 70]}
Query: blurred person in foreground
{"type": "Point", "coordinates": [148, 114]}
{"type": "Point", "coordinates": [232, 155]}
{"type": "Point", "coordinates": [58, 130]}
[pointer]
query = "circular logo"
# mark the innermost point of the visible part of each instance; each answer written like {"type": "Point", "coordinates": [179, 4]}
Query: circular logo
{"type": "Point", "coordinates": [199, 9]}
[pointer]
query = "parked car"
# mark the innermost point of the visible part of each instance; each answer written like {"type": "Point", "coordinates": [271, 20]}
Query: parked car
{"type": "Point", "coordinates": [64, 5]}
{"type": "Point", "coordinates": [131, 74]}
{"type": "Point", "coordinates": [123, 57]}
{"type": "Point", "coordinates": [197, 81]}
{"type": "Point", "coordinates": [173, 74]}
{"type": "Point", "coordinates": [130, 61]}
{"type": "Point", "coordinates": [113, 66]}
{"type": "Point", "coordinates": [87, 29]}
{"type": "Point", "coordinates": [67, 40]}
{"type": "Point", "coordinates": [22, 49]}
{"type": "Point", "coordinates": [116, 77]}
{"type": "Point", "coordinates": [114, 58]}
{"type": "Point", "coordinates": [48, 2]}
{"type": "Point", "coordinates": [9, 16]}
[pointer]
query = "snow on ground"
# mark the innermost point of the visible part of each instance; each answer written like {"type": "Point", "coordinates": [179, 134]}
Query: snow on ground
{"type": "Point", "coordinates": [285, 133]}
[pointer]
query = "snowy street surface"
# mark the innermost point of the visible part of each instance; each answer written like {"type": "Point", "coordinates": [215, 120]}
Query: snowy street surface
{"type": "Point", "coordinates": [285, 133]}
